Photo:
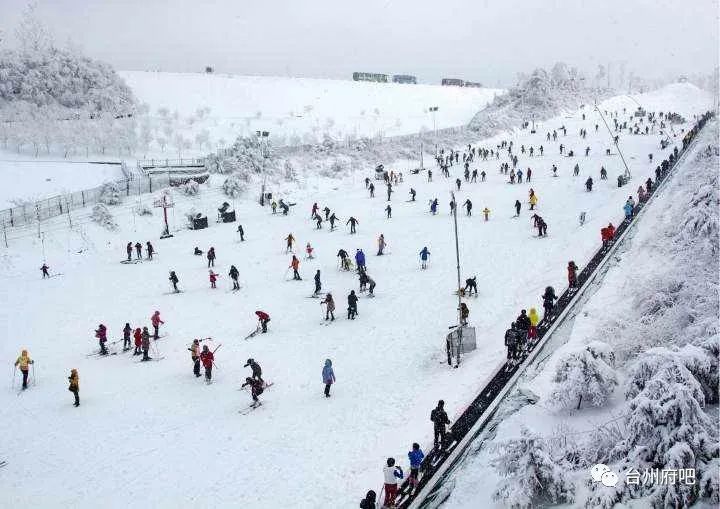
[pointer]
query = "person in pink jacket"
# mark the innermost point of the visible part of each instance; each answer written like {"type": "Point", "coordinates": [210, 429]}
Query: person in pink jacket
{"type": "Point", "coordinates": [156, 321]}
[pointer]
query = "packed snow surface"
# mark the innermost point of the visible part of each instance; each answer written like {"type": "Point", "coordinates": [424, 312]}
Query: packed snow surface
{"type": "Point", "coordinates": [152, 435]}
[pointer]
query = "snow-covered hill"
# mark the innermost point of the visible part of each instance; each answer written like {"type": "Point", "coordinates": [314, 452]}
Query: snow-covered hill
{"type": "Point", "coordinates": [166, 439]}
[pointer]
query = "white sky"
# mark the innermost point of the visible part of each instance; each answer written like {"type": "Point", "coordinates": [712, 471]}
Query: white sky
{"type": "Point", "coordinates": [479, 40]}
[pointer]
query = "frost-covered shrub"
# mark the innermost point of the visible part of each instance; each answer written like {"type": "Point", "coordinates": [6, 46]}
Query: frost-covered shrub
{"type": "Point", "coordinates": [102, 216]}
{"type": "Point", "coordinates": [289, 170]}
{"type": "Point", "coordinates": [190, 188]}
{"type": "Point", "coordinates": [143, 209]}
{"type": "Point", "coordinates": [585, 375]}
{"type": "Point", "coordinates": [110, 194]}
{"type": "Point", "coordinates": [234, 187]}
{"type": "Point", "coordinates": [212, 163]}
{"type": "Point", "coordinates": [531, 474]}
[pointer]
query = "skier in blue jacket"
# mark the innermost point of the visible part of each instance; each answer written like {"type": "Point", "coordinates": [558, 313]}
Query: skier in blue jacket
{"type": "Point", "coordinates": [360, 260]}
{"type": "Point", "coordinates": [628, 208]}
{"type": "Point", "coordinates": [416, 457]}
{"type": "Point", "coordinates": [424, 257]}
{"type": "Point", "coordinates": [328, 376]}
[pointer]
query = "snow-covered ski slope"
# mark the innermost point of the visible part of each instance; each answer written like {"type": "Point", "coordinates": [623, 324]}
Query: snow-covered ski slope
{"type": "Point", "coordinates": [150, 434]}
{"type": "Point", "coordinates": [294, 107]}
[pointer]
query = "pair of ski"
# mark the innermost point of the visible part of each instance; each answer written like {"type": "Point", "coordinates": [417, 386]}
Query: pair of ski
{"type": "Point", "coordinates": [151, 359]}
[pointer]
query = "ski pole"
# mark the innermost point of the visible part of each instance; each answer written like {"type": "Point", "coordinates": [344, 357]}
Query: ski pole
{"type": "Point", "coordinates": [13, 376]}
{"type": "Point", "coordinates": [34, 378]}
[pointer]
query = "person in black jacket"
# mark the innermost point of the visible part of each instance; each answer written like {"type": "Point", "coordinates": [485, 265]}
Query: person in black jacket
{"type": "Point", "coordinates": [548, 300]}
{"type": "Point", "coordinates": [174, 280]}
{"type": "Point", "coordinates": [369, 501]}
{"type": "Point", "coordinates": [318, 285]}
{"type": "Point", "coordinates": [234, 274]}
{"type": "Point", "coordinates": [522, 326]}
{"type": "Point", "coordinates": [440, 419]}
{"type": "Point", "coordinates": [256, 369]}
{"type": "Point", "coordinates": [352, 305]}
{"type": "Point", "coordinates": [511, 343]}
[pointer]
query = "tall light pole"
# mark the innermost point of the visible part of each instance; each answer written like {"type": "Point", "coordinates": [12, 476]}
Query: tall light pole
{"type": "Point", "coordinates": [433, 110]}
{"type": "Point", "coordinates": [263, 140]}
{"type": "Point", "coordinates": [457, 259]}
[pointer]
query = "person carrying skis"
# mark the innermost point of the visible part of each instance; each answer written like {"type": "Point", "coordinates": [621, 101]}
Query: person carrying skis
{"type": "Point", "coordinates": [416, 457]}
{"type": "Point", "coordinates": [440, 420]}
{"type": "Point", "coordinates": [328, 376]}
{"type": "Point", "coordinates": [174, 280]}
{"type": "Point", "coordinates": [392, 473]}
{"type": "Point", "coordinates": [534, 320]}
{"type": "Point", "coordinates": [549, 299]}
{"type": "Point", "coordinates": [352, 222]}
{"type": "Point", "coordinates": [145, 344]}
{"type": "Point", "coordinates": [138, 250]}
{"type": "Point", "coordinates": [318, 285]}
{"type": "Point", "coordinates": [572, 274]}
{"type": "Point", "coordinates": [23, 362]}
{"type": "Point", "coordinates": [101, 335]}
{"type": "Point", "coordinates": [207, 357]}
{"type": "Point", "coordinates": [360, 260]}
{"type": "Point", "coordinates": [127, 332]}
{"type": "Point", "coordinates": [517, 207]}
{"type": "Point", "coordinates": [149, 249]}
{"type": "Point", "coordinates": [486, 213]}
{"type": "Point", "coordinates": [128, 248]}
{"type": "Point", "coordinates": [329, 307]}
{"type": "Point", "coordinates": [234, 275]}
{"type": "Point", "coordinates": [263, 318]}
{"type": "Point", "coordinates": [470, 285]}
{"type": "Point", "coordinates": [352, 305]}
{"type": "Point", "coordinates": [424, 254]}
{"type": "Point", "coordinates": [289, 245]}
{"type": "Point", "coordinates": [44, 270]}
{"type": "Point", "coordinates": [388, 211]}
{"type": "Point", "coordinates": [256, 370]}
{"type": "Point", "coordinates": [137, 335]}
{"type": "Point", "coordinates": [295, 264]}
{"type": "Point", "coordinates": [381, 244]}
{"type": "Point", "coordinates": [468, 207]}
{"type": "Point", "coordinates": [156, 322]}
{"type": "Point", "coordinates": [256, 389]}
{"type": "Point", "coordinates": [74, 387]}
{"type": "Point", "coordinates": [309, 251]}
{"type": "Point", "coordinates": [344, 259]}
{"type": "Point", "coordinates": [211, 257]}
{"type": "Point", "coordinates": [195, 357]}
{"type": "Point", "coordinates": [464, 313]}
{"type": "Point", "coordinates": [241, 231]}
{"type": "Point", "coordinates": [213, 278]}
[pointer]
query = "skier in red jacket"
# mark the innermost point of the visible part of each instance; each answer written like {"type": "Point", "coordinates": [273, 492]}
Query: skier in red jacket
{"type": "Point", "coordinates": [572, 274]}
{"type": "Point", "coordinates": [264, 319]}
{"type": "Point", "coordinates": [138, 341]}
{"type": "Point", "coordinates": [213, 279]}
{"type": "Point", "coordinates": [156, 321]}
{"type": "Point", "coordinates": [207, 357]}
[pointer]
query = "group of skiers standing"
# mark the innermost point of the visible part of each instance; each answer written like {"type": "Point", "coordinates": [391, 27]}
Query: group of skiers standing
{"type": "Point", "coordinates": [138, 250]}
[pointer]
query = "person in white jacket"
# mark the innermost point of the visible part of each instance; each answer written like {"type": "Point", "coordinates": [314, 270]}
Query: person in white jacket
{"type": "Point", "coordinates": [392, 474]}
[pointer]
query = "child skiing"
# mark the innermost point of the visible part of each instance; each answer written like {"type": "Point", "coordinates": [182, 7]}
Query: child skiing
{"type": "Point", "coordinates": [101, 335]}
{"type": "Point", "coordinates": [295, 264]}
{"type": "Point", "coordinates": [75, 385]}
{"type": "Point", "coordinates": [234, 274]}
{"type": "Point", "coordinates": [256, 388]}
{"type": "Point", "coordinates": [23, 362]}
{"type": "Point", "coordinates": [145, 344]}
{"type": "Point", "coordinates": [156, 322]}
{"type": "Point", "coordinates": [329, 307]}
{"type": "Point", "coordinates": [289, 245]}
{"type": "Point", "coordinates": [137, 335]}
{"type": "Point", "coordinates": [127, 331]}
{"type": "Point", "coordinates": [195, 356]}
{"type": "Point", "coordinates": [213, 279]}
{"type": "Point", "coordinates": [256, 370]}
{"type": "Point", "coordinates": [328, 376]}
{"type": "Point", "coordinates": [263, 318]}
{"type": "Point", "coordinates": [174, 280]}
{"type": "Point", "coordinates": [352, 305]}
{"type": "Point", "coordinates": [318, 284]}
{"type": "Point", "coordinates": [424, 254]}
{"type": "Point", "coordinates": [207, 357]}
{"type": "Point", "coordinates": [44, 270]}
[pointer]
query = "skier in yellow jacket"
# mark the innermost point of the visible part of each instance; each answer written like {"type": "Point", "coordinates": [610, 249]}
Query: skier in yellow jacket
{"type": "Point", "coordinates": [23, 362]}
{"type": "Point", "coordinates": [534, 320]}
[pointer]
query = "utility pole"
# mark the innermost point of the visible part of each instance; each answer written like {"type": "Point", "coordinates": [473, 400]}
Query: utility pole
{"type": "Point", "coordinates": [263, 139]}
{"type": "Point", "coordinates": [457, 259]}
{"type": "Point", "coordinates": [433, 110]}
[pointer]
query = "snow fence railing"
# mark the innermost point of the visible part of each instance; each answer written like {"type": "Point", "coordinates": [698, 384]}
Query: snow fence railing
{"type": "Point", "coordinates": [474, 419]}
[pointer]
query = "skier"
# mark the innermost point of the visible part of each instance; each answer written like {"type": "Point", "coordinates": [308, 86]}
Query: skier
{"type": "Point", "coordinates": [263, 318]}
{"type": "Point", "coordinates": [474, 176]}
{"type": "Point", "coordinates": [174, 280]}
{"type": "Point", "coordinates": [352, 222]}
{"type": "Point", "coordinates": [294, 264]}
{"type": "Point", "coordinates": [360, 260]}
{"type": "Point", "coordinates": [285, 207]}
{"type": "Point", "coordinates": [628, 208]}
{"type": "Point", "coordinates": [572, 274]}
{"type": "Point", "coordinates": [289, 246]}
{"type": "Point", "coordinates": [542, 227]}
{"type": "Point", "coordinates": [213, 279]}
{"type": "Point", "coordinates": [464, 313]}
{"type": "Point", "coordinates": [486, 213]}
{"type": "Point", "coordinates": [309, 251]}
{"type": "Point", "coordinates": [211, 257]}
{"type": "Point", "coordinates": [392, 473]}
{"type": "Point", "coordinates": [256, 388]}
{"type": "Point", "coordinates": [332, 220]}
{"type": "Point", "coordinates": [128, 248]}
{"type": "Point", "coordinates": [603, 173]}
{"type": "Point", "coordinates": [145, 344]}
{"type": "Point", "coordinates": [576, 170]}
{"type": "Point", "coordinates": [529, 171]}
{"type": "Point", "coordinates": [416, 457]}
{"type": "Point", "coordinates": [195, 357]}
{"type": "Point", "coordinates": [424, 254]}
{"type": "Point", "coordinates": [234, 274]}
{"type": "Point", "coordinates": [207, 357]}
{"type": "Point", "coordinates": [318, 222]}
{"type": "Point", "coordinates": [137, 335]}
{"type": "Point", "coordinates": [371, 282]}
{"type": "Point", "coordinates": [517, 208]}
{"type": "Point", "coordinates": [197, 251]}
{"type": "Point", "coordinates": [429, 175]}
{"type": "Point", "coordinates": [381, 245]}
{"type": "Point", "coordinates": [534, 320]}
{"type": "Point", "coordinates": [412, 194]}
{"type": "Point", "coordinates": [648, 185]}
{"type": "Point", "coordinates": [101, 335]}
{"type": "Point", "coordinates": [138, 250]}
{"type": "Point", "coordinates": [156, 322]}
{"type": "Point", "coordinates": [344, 259]}
{"type": "Point", "coordinates": [313, 212]}
{"type": "Point", "coordinates": [533, 199]}
{"type": "Point", "coordinates": [439, 419]}
{"type": "Point", "coordinates": [511, 344]}
{"type": "Point", "coordinates": [23, 362]}
{"type": "Point", "coordinates": [44, 270]}
{"type": "Point", "coordinates": [127, 332]}
{"type": "Point", "coordinates": [327, 213]}
{"type": "Point", "coordinates": [75, 385]}
{"type": "Point", "coordinates": [457, 183]}
{"type": "Point", "coordinates": [256, 370]}
{"type": "Point", "coordinates": [241, 231]}
{"type": "Point", "coordinates": [470, 285]}
{"type": "Point", "coordinates": [482, 176]}
{"type": "Point", "coordinates": [352, 305]}
{"type": "Point", "coordinates": [329, 307]}
{"type": "Point", "coordinates": [589, 184]}
{"type": "Point", "coordinates": [389, 191]}
{"type": "Point", "coordinates": [433, 206]}
{"type": "Point", "coordinates": [548, 302]}
{"type": "Point", "coordinates": [273, 206]}
{"type": "Point", "coordinates": [328, 376]}
{"type": "Point", "coordinates": [372, 190]}
{"type": "Point", "coordinates": [468, 207]}
{"type": "Point", "coordinates": [522, 328]}
{"type": "Point", "coordinates": [149, 249]}
{"type": "Point", "coordinates": [318, 285]}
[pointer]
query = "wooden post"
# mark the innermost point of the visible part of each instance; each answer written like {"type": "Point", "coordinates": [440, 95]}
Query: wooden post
{"type": "Point", "coordinates": [83, 197]}
{"type": "Point", "coordinates": [5, 234]}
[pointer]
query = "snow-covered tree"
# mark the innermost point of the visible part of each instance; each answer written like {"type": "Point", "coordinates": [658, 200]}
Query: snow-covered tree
{"type": "Point", "coordinates": [531, 473]}
{"type": "Point", "coordinates": [143, 209]}
{"type": "Point", "coordinates": [110, 194]}
{"type": "Point", "coordinates": [586, 375]}
{"type": "Point", "coordinates": [102, 216]}
{"type": "Point", "coordinates": [190, 188]}
{"type": "Point", "coordinates": [233, 186]}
